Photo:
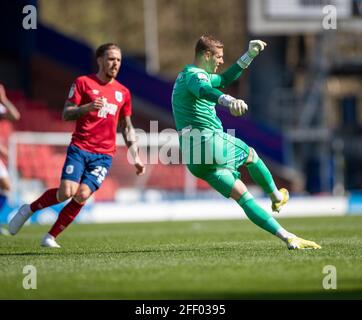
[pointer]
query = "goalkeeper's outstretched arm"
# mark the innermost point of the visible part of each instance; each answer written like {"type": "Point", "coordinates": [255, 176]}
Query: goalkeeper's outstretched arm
{"type": "Point", "coordinates": [235, 70]}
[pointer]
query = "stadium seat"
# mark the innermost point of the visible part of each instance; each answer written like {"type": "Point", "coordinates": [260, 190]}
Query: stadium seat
{"type": "Point", "coordinates": [46, 120]}
{"type": "Point", "coordinates": [107, 191]}
{"type": "Point", "coordinates": [45, 162]}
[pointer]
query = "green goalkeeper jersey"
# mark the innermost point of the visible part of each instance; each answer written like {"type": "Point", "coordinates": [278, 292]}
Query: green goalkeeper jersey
{"type": "Point", "coordinates": [194, 97]}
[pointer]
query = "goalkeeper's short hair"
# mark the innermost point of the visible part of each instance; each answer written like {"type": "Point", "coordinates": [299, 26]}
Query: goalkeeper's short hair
{"type": "Point", "coordinates": [207, 43]}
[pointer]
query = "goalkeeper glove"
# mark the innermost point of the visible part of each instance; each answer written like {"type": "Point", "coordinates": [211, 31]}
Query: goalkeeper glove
{"type": "Point", "coordinates": [237, 107]}
{"type": "Point", "coordinates": [255, 47]}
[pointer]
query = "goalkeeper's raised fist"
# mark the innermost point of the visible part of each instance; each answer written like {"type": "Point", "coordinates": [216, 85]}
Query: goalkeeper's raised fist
{"type": "Point", "coordinates": [255, 47]}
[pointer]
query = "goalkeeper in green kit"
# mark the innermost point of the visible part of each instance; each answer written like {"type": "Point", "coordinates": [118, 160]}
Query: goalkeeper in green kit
{"type": "Point", "coordinates": [209, 152]}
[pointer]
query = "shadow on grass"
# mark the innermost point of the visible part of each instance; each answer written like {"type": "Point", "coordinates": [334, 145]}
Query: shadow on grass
{"type": "Point", "coordinates": [20, 254]}
{"type": "Point", "coordinates": [98, 251]}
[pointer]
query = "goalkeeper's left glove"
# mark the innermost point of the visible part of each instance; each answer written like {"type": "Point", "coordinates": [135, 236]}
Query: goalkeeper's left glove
{"type": "Point", "coordinates": [237, 107]}
{"type": "Point", "coordinates": [255, 47]}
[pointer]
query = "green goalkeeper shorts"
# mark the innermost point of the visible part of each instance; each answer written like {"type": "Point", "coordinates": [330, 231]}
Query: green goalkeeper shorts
{"type": "Point", "coordinates": [215, 158]}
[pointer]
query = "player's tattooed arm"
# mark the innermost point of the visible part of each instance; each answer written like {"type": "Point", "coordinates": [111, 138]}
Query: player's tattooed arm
{"type": "Point", "coordinates": [127, 130]}
{"type": "Point", "coordinates": [73, 112]}
{"type": "Point", "coordinates": [129, 136]}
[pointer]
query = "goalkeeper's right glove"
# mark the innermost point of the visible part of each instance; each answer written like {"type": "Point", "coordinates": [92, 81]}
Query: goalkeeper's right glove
{"type": "Point", "coordinates": [237, 107]}
{"type": "Point", "coordinates": [255, 47]}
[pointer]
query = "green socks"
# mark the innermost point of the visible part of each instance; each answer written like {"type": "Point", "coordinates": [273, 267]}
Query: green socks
{"type": "Point", "coordinates": [261, 175]}
{"type": "Point", "coordinates": [257, 214]}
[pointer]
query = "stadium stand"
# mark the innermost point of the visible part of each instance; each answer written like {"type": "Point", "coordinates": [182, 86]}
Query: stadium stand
{"type": "Point", "coordinates": [44, 162]}
{"type": "Point", "coordinates": [48, 53]}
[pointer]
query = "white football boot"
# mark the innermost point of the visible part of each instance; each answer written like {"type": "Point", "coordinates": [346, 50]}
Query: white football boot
{"type": "Point", "coordinates": [49, 242]}
{"type": "Point", "coordinates": [4, 231]}
{"type": "Point", "coordinates": [23, 214]}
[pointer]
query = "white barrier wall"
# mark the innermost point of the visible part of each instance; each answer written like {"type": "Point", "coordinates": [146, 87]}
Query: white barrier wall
{"type": "Point", "coordinates": [209, 210]}
{"type": "Point", "coordinates": [179, 210]}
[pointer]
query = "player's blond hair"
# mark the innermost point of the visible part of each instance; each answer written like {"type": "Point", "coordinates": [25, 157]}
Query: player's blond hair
{"type": "Point", "coordinates": [207, 43]}
{"type": "Point", "coordinates": [101, 50]}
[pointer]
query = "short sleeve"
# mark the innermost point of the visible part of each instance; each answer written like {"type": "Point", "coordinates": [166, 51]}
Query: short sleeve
{"type": "Point", "coordinates": [196, 82]}
{"type": "Point", "coordinates": [127, 106]}
{"type": "Point", "coordinates": [75, 92]}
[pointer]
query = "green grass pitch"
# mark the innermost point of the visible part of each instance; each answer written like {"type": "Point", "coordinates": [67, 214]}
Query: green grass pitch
{"type": "Point", "coordinates": [185, 260]}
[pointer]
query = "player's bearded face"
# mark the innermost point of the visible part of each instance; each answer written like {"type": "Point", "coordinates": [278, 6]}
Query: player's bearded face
{"type": "Point", "coordinates": [112, 62]}
{"type": "Point", "coordinates": [214, 60]}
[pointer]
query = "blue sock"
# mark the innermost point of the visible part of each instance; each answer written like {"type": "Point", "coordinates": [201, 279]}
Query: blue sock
{"type": "Point", "coordinates": [3, 199]}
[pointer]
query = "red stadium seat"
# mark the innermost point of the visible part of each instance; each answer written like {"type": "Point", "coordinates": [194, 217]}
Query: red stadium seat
{"type": "Point", "coordinates": [45, 162]}
{"type": "Point", "coordinates": [107, 191]}
{"type": "Point", "coordinates": [46, 119]}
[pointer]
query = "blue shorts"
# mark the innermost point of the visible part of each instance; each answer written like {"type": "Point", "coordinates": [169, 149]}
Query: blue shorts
{"type": "Point", "coordinates": [86, 167]}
